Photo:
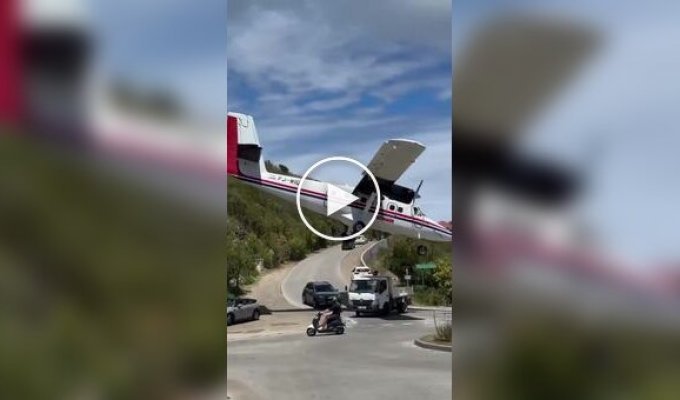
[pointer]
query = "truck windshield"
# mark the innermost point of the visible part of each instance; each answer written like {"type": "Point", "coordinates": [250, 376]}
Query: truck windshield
{"type": "Point", "coordinates": [362, 286]}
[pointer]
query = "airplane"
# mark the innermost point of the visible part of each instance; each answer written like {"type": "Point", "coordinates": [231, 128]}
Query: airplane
{"type": "Point", "coordinates": [397, 214]}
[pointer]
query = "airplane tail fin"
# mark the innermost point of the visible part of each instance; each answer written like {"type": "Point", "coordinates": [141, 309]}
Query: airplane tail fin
{"type": "Point", "coordinates": [244, 153]}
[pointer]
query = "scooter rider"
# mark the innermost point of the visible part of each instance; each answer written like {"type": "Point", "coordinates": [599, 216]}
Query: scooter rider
{"type": "Point", "coordinates": [334, 310]}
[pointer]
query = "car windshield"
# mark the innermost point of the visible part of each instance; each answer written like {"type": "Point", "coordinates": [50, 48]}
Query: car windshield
{"type": "Point", "coordinates": [362, 286]}
{"type": "Point", "coordinates": [230, 303]}
{"type": "Point", "coordinates": [325, 288]}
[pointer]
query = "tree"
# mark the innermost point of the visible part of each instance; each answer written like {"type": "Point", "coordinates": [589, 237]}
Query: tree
{"type": "Point", "coordinates": [443, 279]}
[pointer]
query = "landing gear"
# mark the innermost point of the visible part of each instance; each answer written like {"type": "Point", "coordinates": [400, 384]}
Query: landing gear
{"type": "Point", "coordinates": [349, 244]}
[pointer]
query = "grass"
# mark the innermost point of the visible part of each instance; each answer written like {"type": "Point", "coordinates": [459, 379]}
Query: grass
{"type": "Point", "coordinates": [427, 296]}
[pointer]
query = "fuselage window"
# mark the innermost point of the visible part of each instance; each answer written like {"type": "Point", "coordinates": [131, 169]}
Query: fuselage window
{"type": "Point", "coordinates": [400, 209]}
{"type": "Point", "coordinates": [391, 207]}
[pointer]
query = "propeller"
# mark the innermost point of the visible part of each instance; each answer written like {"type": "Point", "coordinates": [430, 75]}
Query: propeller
{"type": "Point", "coordinates": [417, 196]}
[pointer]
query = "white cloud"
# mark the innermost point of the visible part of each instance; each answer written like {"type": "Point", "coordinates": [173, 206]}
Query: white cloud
{"type": "Point", "coordinates": [309, 64]}
{"type": "Point", "coordinates": [298, 49]}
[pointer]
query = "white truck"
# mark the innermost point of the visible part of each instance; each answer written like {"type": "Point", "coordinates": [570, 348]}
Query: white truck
{"type": "Point", "coordinates": [360, 271]}
{"type": "Point", "coordinates": [376, 294]}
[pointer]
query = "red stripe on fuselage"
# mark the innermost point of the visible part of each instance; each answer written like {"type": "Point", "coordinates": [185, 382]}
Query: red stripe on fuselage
{"type": "Point", "coordinates": [232, 146]}
{"type": "Point", "coordinates": [11, 76]}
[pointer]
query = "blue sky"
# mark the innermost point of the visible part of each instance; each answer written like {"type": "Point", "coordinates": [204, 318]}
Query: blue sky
{"type": "Point", "coordinates": [339, 78]}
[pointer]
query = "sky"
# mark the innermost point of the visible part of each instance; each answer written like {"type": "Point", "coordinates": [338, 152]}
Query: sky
{"type": "Point", "coordinates": [624, 104]}
{"type": "Point", "coordinates": [338, 78]}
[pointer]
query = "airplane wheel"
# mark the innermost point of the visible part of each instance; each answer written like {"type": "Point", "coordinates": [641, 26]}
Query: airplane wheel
{"type": "Point", "coordinates": [358, 226]}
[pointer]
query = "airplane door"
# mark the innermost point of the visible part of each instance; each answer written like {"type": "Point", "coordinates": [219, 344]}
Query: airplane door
{"type": "Point", "coordinates": [415, 213]}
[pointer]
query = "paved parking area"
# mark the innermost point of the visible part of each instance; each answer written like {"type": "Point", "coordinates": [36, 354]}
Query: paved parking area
{"type": "Point", "coordinates": [375, 358]}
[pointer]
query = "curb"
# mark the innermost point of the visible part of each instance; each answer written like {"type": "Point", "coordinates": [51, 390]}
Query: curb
{"type": "Point", "coordinates": [432, 346]}
{"type": "Point", "coordinates": [430, 308]}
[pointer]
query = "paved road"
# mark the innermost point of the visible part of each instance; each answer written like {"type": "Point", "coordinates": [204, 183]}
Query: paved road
{"type": "Point", "coordinates": [326, 265]}
{"type": "Point", "coordinates": [376, 358]}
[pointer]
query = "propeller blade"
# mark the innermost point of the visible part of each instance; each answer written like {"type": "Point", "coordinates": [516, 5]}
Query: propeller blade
{"type": "Point", "coordinates": [418, 190]}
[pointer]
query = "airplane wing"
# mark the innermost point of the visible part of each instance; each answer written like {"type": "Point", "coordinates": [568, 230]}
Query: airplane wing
{"type": "Point", "coordinates": [393, 158]}
{"type": "Point", "coordinates": [510, 69]}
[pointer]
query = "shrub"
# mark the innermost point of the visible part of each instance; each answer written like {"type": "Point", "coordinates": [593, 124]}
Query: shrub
{"type": "Point", "coordinates": [443, 331]}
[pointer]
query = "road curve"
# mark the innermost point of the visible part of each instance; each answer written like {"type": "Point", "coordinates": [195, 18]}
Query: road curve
{"type": "Point", "coordinates": [330, 265]}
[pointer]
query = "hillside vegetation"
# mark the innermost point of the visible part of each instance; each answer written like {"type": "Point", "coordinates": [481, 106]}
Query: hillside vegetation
{"type": "Point", "coordinates": [431, 287]}
{"type": "Point", "coordinates": [108, 289]}
{"type": "Point", "coordinates": [263, 228]}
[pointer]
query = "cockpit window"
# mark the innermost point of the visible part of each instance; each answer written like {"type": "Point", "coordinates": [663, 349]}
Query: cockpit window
{"type": "Point", "coordinates": [416, 211]}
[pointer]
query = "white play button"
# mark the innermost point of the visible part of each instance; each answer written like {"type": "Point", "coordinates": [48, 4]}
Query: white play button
{"type": "Point", "coordinates": [338, 199]}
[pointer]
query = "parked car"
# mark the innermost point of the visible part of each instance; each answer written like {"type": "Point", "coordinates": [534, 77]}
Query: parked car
{"type": "Point", "coordinates": [319, 294]}
{"type": "Point", "coordinates": [361, 240]}
{"type": "Point", "coordinates": [242, 309]}
{"type": "Point", "coordinates": [360, 271]}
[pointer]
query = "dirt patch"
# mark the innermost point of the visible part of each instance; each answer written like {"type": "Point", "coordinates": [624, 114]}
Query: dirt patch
{"type": "Point", "coordinates": [269, 325]}
{"type": "Point", "coordinates": [267, 290]}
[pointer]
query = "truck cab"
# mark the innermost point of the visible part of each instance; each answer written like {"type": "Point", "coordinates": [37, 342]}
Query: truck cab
{"type": "Point", "coordinates": [376, 295]}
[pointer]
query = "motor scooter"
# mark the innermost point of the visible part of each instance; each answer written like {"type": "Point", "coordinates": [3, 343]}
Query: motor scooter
{"type": "Point", "coordinates": [333, 325]}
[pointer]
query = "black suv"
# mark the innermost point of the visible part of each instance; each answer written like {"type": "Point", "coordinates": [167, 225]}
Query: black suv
{"type": "Point", "coordinates": [319, 294]}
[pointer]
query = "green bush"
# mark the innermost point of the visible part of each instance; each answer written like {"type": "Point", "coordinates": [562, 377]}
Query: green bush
{"type": "Point", "coordinates": [298, 249]}
{"type": "Point", "coordinates": [435, 286]}
{"type": "Point", "coordinates": [443, 331]}
{"type": "Point", "coordinates": [429, 296]}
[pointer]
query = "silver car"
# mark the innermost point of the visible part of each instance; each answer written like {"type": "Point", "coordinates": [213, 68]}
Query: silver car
{"type": "Point", "coordinates": [242, 310]}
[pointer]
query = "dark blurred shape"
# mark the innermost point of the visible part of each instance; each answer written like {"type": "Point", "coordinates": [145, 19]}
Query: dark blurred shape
{"type": "Point", "coordinates": [55, 61]}
{"type": "Point", "coordinates": [509, 70]}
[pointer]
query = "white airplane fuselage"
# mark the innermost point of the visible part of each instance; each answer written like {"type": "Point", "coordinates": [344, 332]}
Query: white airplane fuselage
{"type": "Point", "coordinates": [245, 163]}
{"type": "Point", "coordinates": [313, 197]}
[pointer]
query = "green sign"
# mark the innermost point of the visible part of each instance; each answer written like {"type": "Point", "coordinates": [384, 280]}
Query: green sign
{"type": "Point", "coordinates": [425, 266]}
